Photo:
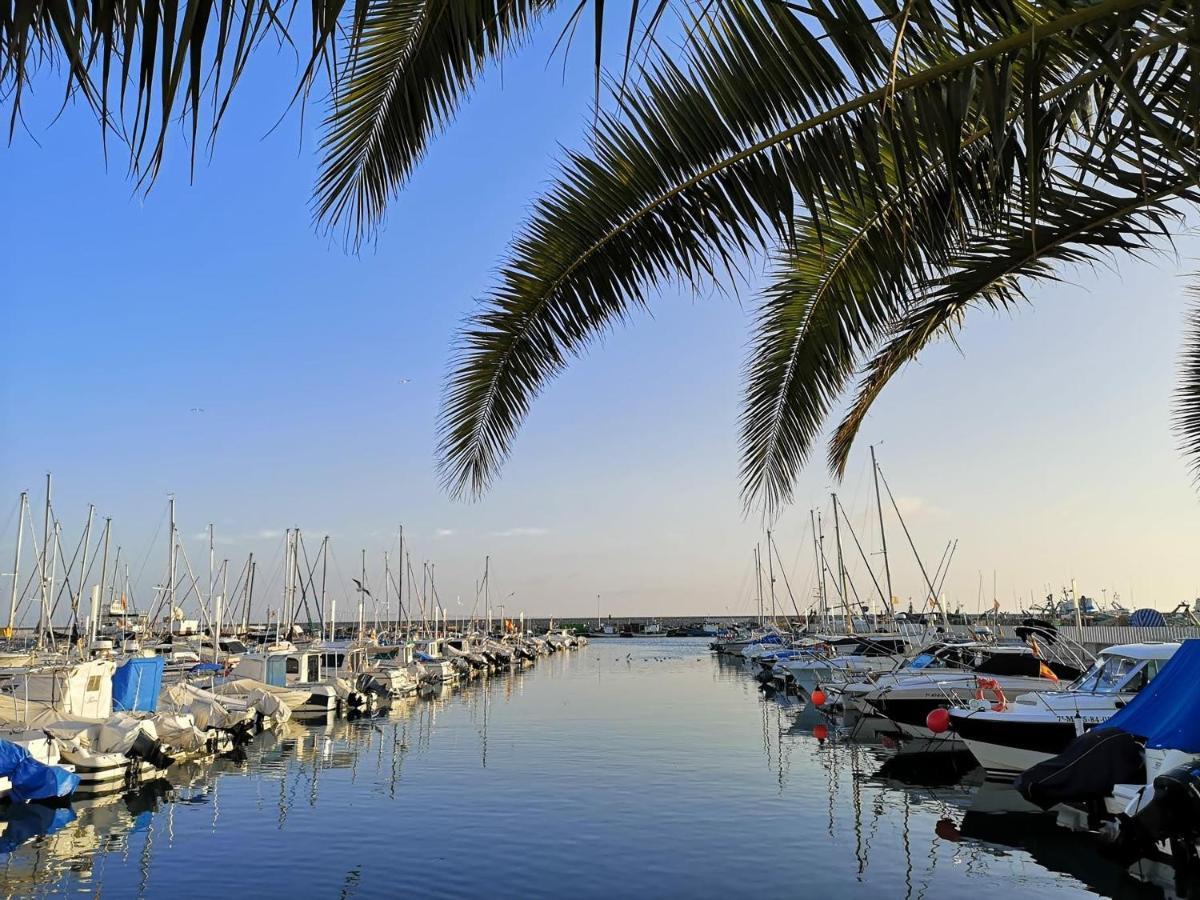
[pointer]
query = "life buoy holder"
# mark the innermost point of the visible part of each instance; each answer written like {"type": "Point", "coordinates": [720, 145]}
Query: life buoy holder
{"type": "Point", "coordinates": [983, 685]}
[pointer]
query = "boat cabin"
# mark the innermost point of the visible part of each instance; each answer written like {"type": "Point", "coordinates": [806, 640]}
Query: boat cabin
{"type": "Point", "coordinates": [1125, 668]}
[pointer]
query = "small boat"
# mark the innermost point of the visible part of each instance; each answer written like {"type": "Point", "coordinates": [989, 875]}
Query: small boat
{"type": "Point", "coordinates": [1135, 780]}
{"type": "Point", "coordinates": [1039, 725]}
{"type": "Point", "coordinates": [1016, 669]}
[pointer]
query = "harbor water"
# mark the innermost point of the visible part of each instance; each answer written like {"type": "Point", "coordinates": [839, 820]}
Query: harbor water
{"type": "Point", "coordinates": [631, 767]}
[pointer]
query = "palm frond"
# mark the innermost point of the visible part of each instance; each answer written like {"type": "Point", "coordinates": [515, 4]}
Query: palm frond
{"type": "Point", "coordinates": [410, 63]}
{"type": "Point", "coordinates": [707, 164]}
{"type": "Point", "coordinates": [166, 55]}
{"type": "Point", "coordinates": [1073, 229]}
{"type": "Point", "coordinates": [1187, 392]}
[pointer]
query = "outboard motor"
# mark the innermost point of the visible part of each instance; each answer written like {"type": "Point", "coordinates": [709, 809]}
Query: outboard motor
{"type": "Point", "coordinates": [1173, 815]}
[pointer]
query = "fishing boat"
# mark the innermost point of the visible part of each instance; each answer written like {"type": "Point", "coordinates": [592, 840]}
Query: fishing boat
{"type": "Point", "coordinates": [1008, 738]}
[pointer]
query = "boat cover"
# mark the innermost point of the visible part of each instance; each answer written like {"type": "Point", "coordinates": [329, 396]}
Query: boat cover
{"type": "Point", "coordinates": [136, 684]}
{"type": "Point", "coordinates": [1166, 713]}
{"type": "Point", "coordinates": [33, 780]}
{"type": "Point", "coordinates": [1088, 769]}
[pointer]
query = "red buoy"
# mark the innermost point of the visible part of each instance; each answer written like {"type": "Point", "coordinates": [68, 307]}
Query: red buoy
{"type": "Point", "coordinates": [820, 732]}
{"type": "Point", "coordinates": [938, 720]}
{"type": "Point", "coordinates": [818, 697]}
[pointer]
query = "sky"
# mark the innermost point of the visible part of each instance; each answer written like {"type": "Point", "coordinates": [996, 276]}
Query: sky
{"type": "Point", "coordinates": [1041, 442]}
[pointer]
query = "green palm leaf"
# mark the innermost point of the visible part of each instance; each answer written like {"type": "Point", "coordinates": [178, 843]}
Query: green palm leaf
{"type": "Point", "coordinates": [1187, 393]}
{"type": "Point", "coordinates": [411, 62]}
{"type": "Point", "coordinates": [712, 161]}
{"type": "Point", "coordinates": [1075, 228]}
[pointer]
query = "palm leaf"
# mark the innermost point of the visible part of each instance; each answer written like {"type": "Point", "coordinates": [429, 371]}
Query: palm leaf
{"type": "Point", "coordinates": [711, 162]}
{"type": "Point", "coordinates": [1187, 393]}
{"type": "Point", "coordinates": [410, 65]}
{"type": "Point", "coordinates": [1074, 229]}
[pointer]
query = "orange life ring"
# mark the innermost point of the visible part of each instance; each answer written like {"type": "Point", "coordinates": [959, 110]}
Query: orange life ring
{"type": "Point", "coordinates": [982, 685]}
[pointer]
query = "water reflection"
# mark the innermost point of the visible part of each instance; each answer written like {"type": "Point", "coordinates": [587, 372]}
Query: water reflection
{"type": "Point", "coordinates": [645, 764]}
{"type": "Point", "coordinates": [875, 784]}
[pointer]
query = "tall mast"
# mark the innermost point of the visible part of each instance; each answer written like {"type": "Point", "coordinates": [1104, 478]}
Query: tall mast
{"type": "Point", "coordinates": [820, 537]}
{"type": "Point", "coordinates": [103, 576]}
{"type": "Point", "coordinates": [209, 598]}
{"type": "Point", "coordinates": [87, 537]}
{"type": "Point", "coordinates": [758, 577]}
{"type": "Point", "coordinates": [12, 597]}
{"type": "Point", "coordinates": [817, 559]}
{"type": "Point", "coordinates": [44, 562]}
{"type": "Point", "coordinates": [487, 603]}
{"type": "Point", "coordinates": [324, 572]}
{"type": "Point", "coordinates": [249, 595]}
{"type": "Point", "coordinates": [400, 584]}
{"type": "Point", "coordinates": [53, 572]}
{"type": "Point", "coordinates": [837, 536]}
{"type": "Point", "coordinates": [771, 574]}
{"type": "Point", "coordinates": [170, 592]}
{"type": "Point", "coordinates": [887, 570]}
{"type": "Point", "coordinates": [362, 594]}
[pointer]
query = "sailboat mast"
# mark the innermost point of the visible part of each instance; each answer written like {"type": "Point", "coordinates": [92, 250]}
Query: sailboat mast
{"type": "Point", "coordinates": [771, 574]}
{"type": "Point", "coordinates": [820, 538]}
{"type": "Point", "coordinates": [169, 594]}
{"type": "Point", "coordinates": [487, 604]}
{"type": "Point", "coordinates": [837, 537]}
{"type": "Point", "coordinates": [103, 576]}
{"type": "Point", "coordinates": [387, 593]}
{"type": "Point", "coordinates": [887, 569]}
{"type": "Point", "coordinates": [758, 578]}
{"type": "Point", "coordinates": [16, 572]}
{"type": "Point", "coordinates": [87, 537]}
{"type": "Point", "coordinates": [324, 572]}
{"type": "Point", "coordinates": [44, 562]}
{"type": "Point", "coordinates": [362, 596]}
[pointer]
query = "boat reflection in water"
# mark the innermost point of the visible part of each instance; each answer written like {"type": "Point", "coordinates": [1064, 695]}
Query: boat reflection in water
{"type": "Point", "coordinates": [62, 849]}
{"type": "Point", "coordinates": [540, 783]}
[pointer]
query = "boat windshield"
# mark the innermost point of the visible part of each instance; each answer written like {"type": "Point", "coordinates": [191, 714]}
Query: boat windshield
{"type": "Point", "coordinates": [1113, 673]}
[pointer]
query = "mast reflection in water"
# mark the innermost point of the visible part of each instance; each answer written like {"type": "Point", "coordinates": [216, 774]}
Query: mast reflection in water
{"type": "Point", "coordinates": [639, 766]}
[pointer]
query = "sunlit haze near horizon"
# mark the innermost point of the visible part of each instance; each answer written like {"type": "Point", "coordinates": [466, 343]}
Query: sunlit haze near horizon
{"type": "Point", "coordinates": [203, 340]}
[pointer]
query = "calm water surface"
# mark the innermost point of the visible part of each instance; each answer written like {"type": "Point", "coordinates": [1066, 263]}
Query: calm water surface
{"type": "Point", "coordinates": [628, 767]}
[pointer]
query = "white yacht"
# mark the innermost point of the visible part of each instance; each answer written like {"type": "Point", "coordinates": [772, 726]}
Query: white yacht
{"type": "Point", "coordinates": [1039, 725]}
{"type": "Point", "coordinates": [907, 701]}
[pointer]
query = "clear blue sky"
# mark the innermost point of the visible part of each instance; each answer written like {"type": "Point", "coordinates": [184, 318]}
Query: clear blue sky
{"type": "Point", "coordinates": [1043, 447]}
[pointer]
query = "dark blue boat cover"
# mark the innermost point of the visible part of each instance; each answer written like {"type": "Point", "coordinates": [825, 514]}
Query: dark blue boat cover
{"type": "Point", "coordinates": [136, 684]}
{"type": "Point", "coordinates": [1167, 711]}
{"type": "Point", "coordinates": [32, 780]}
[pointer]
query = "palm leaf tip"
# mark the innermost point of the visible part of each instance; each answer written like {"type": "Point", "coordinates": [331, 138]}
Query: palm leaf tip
{"type": "Point", "coordinates": [1186, 413]}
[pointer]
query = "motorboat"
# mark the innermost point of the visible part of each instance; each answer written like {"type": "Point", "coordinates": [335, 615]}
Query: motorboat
{"type": "Point", "coordinates": [1041, 724]}
{"type": "Point", "coordinates": [1014, 669]}
{"type": "Point", "coordinates": [844, 659]}
{"type": "Point", "coordinates": [1135, 779]}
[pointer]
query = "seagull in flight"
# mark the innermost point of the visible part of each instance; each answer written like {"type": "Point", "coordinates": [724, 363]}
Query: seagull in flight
{"type": "Point", "coordinates": [362, 590]}
{"type": "Point", "coordinates": [197, 409]}
{"type": "Point", "coordinates": [404, 381]}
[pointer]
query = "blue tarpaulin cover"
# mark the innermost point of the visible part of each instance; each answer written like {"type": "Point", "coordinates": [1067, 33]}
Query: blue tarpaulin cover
{"type": "Point", "coordinates": [136, 684]}
{"type": "Point", "coordinates": [32, 780]}
{"type": "Point", "coordinates": [1167, 711]}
